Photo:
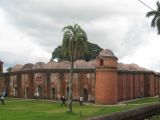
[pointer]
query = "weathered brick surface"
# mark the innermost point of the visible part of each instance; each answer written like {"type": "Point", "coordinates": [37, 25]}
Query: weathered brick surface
{"type": "Point", "coordinates": [100, 80]}
{"type": "Point", "coordinates": [159, 84]}
{"type": "Point", "coordinates": [2, 84]}
{"type": "Point", "coordinates": [26, 84]}
{"type": "Point", "coordinates": [106, 87]}
{"type": "Point", "coordinates": [152, 84]}
{"type": "Point", "coordinates": [1, 66]}
{"type": "Point", "coordinates": [120, 86]}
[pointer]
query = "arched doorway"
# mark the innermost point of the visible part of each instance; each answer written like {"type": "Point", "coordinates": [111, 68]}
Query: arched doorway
{"type": "Point", "coordinates": [15, 91]}
{"type": "Point", "coordinates": [40, 91]}
{"type": "Point", "coordinates": [53, 93]}
{"type": "Point", "coordinates": [67, 92]}
{"type": "Point", "coordinates": [26, 92]}
{"type": "Point", "coordinates": [5, 92]}
{"type": "Point", "coordinates": [85, 94]}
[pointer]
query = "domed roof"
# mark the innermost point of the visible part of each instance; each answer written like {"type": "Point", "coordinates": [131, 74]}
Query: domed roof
{"type": "Point", "coordinates": [27, 66]}
{"type": "Point", "coordinates": [105, 53]}
{"type": "Point", "coordinates": [82, 64]}
{"type": "Point", "coordinates": [131, 67]}
{"type": "Point", "coordinates": [17, 67]}
{"type": "Point", "coordinates": [39, 65]}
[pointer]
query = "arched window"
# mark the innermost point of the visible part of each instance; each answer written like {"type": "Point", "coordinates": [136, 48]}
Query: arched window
{"type": "Point", "coordinates": [53, 93]}
{"type": "Point", "coordinates": [26, 92]}
{"type": "Point", "coordinates": [15, 91]}
{"type": "Point", "coordinates": [101, 62]}
{"type": "Point", "coordinates": [40, 90]}
{"type": "Point", "coordinates": [85, 94]}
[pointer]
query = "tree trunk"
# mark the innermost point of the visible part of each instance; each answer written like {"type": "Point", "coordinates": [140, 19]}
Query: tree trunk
{"type": "Point", "coordinates": [70, 88]}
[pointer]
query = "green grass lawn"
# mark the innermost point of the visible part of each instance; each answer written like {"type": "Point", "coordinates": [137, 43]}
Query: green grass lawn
{"type": "Point", "coordinates": [155, 118]}
{"type": "Point", "coordinates": [18, 109]}
{"type": "Point", "coordinates": [144, 100]}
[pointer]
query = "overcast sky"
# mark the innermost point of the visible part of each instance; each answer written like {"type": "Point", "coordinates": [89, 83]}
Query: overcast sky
{"type": "Point", "coordinates": [31, 29]}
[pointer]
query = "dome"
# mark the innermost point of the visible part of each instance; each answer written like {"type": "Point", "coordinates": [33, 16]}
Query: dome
{"type": "Point", "coordinates": [52, 65]}
{"type": "Point", "coordinates": [82, 64]}
{"type": "Point", "coordinates": [17, 67]}
{"type": "Point", "coordinates": [39, 65]}
{"type": "Point", "coordinates": [27, 66]}
{"type": "Point", "coordinates": [105, 53]}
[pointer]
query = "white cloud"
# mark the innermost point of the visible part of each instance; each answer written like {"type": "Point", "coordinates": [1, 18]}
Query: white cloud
{"type": "Point", "coordinates": [31, 29]}
{"type": "Point", "coordinates": [147, 56]}
{"type": "Point", "coordinates": [17, 47]}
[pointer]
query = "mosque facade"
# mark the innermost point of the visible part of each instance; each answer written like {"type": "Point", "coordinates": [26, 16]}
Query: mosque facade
{"type": "Point", "coordinates": [103, 80]}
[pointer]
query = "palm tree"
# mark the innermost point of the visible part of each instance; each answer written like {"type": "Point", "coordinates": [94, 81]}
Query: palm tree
{"type": "Point", "coordinates": [74, 45]}
{"type": "Point", "coordinates": [156, 18]}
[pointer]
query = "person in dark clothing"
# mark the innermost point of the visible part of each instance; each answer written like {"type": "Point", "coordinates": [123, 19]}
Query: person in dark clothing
{"type": "Point", "coordinates": [63, 101]}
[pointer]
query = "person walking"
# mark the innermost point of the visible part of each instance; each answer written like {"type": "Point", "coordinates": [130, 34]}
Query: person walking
{"type": "Point", "coordinates": [81, 101]}
{"type": "Point", "coordinates": [2, 100]}
{"type": "Point", "coordinates": [37, 95]}
{"type": "Point", "coordinates": [63, 101]}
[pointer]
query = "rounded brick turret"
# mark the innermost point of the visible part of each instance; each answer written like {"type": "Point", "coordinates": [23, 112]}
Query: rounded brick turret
{"type": "Point", "coordinates": [106, 78]}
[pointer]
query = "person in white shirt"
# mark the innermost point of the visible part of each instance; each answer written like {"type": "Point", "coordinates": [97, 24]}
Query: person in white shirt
{"type": "Point", "coordinates": [2, 100]}
{"type": "Point", "coordinates": [35, 95]}
{"type": "Point", "coordinates": [81, 101]}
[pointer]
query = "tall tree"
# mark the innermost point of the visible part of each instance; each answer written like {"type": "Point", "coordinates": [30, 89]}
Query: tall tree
{"type": "Point", "coordinates": [93, 51]}
{"type": "Point", "coordinates": [74, 45]}
{"type": "Point", "coordinates": [156, 17]}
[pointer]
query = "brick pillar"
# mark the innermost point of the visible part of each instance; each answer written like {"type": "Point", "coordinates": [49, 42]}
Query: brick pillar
{"type": "Point", "coordinates": [31, 84]}
{"type": "Point", "coordinates": [19, 85]}
{"type": "Point", "coordinates": [48, 80]}
{"type": "Point", "coordinates": [152, 84]}
{"type": "Point", "coordinates": [7, 82]}
{"type": "Point", "coordinates": [106, 78]}
{"type": "Point", "coordinates": [1, 66]}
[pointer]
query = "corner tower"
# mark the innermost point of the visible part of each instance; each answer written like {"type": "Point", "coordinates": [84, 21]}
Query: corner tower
{"type": "Point", "coordinates": [106, 78]}
{"type": "Point", "coordinates": [1, 66]}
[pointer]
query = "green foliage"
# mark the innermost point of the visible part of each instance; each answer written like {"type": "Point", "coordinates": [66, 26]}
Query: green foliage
{"type": "Point", "coordinates": [156, 17]}
{"type": "Point", "coordinates": [74, 46]}
{"type": "Point", "coordinates": [74, 42]}
{"type": "Point", "coordinates": [9, 69]}
{"type": "Point", "coordinates": [144, 100]}
{"type": "Point", "coordinates": [92, 51]}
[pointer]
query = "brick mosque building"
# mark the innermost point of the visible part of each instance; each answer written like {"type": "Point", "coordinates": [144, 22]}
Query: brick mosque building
{"type": "Point", "coordinates": [103, 80]}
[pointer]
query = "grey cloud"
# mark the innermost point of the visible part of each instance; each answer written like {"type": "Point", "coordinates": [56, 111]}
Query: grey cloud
{"type": "Point", "coordinates": [117, 25]}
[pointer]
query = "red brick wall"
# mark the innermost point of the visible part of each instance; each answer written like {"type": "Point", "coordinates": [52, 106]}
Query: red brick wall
{"type": "Point", "coordinates": [129, 86]}
{"type": "Point", "coordinates": [159, 84]}
{"type": "Point", "coordinates": [106, 87]}
{"type": "Point", "coordinates": [152, 84]}
{"type": "Point", "coordinates": [120, 86]}
{"type": "Point", "coordinates": [2, 84]}
{"type": "Point", "coordinates": [1, 67]}
{"type": "Point", "coordinates": [108, 62]}
{"type": "Point", "coordinates": [141, 85]}
{"type": "Point", "coordinates": [137, 84]}
{"type": "Point", "coordinates": [124, 87]}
